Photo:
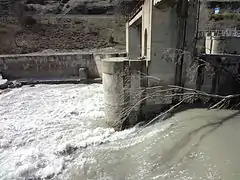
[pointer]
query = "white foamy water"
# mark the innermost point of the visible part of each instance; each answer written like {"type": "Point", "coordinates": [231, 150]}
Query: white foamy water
{"type": "Point", "coordinates": [38, 122]}
{"type": "Point", "coordinates": [47, 130]}
{"type": "Point", "coordinates": [58, 132]}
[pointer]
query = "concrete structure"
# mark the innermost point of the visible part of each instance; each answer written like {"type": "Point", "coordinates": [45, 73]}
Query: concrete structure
{"type": "Point", "coordinates": [55, 65]}
{"type": "Point", "coordinates": [159, 33]}
{"type": "Point", "coordinates": [223, 53]}
{"type": "Point", "coordinates": [222, 44]}
{"type": "Point", "coordinates": [224, 77]}
{"type": "Point", "coordinates": [122, 91]}
{"type": "Point", "coordinates": [153, 31]}
{"type": "Point", "coordinates": [114, 84]}
{"type": "Point", "coordinates": [161, 38]}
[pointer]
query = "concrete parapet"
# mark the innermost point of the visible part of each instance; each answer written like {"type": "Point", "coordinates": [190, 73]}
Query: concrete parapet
{"type": "Point", "coordinates": [54, 65]}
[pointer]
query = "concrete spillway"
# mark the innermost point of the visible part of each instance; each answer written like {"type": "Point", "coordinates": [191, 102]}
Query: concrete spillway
{"type": "Point", "coordinates": [59, 132]}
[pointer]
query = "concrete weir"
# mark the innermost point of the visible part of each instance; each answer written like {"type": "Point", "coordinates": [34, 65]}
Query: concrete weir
{"type": "Point", "coordinates": [122, 91]}
{"type": "Point", "coordinates": [71, 65]}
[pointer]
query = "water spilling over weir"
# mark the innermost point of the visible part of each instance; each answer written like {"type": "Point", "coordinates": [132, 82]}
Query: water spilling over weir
{"type": "Point", "coordinates": [58, 132]}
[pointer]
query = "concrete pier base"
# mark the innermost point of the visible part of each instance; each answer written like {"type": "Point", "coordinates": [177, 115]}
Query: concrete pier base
{"type": "Point", "coordinates": [122, 92]}
{"type": "Point", "coordinates": [114, 93]}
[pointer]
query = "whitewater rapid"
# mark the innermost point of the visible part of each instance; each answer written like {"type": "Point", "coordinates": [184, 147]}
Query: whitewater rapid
{"type": "Point", "coordinates": [58, 132]}
{"type": "Point", "coordinates": [42, 127]}
{"type": "Point", "coordinates": [36, 123]}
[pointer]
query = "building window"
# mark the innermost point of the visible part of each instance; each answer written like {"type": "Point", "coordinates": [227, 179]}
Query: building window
{"type": "Point", "coordinates": [145, 42]}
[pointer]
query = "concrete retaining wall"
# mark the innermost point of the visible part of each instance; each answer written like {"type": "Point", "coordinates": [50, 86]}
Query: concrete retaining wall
{"type": "Point", "coordinates": [47, 66]}
{"type": "Point", "coordinates": [224, 79]}
{"type": "Point", "coordinates": [222, 45]}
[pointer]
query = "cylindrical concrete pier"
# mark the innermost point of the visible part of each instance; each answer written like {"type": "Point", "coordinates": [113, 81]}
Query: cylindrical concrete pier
{"type": "Point", "coordinates": [114, 74]}
{"type": "Point", "coordinates": [122, 92]}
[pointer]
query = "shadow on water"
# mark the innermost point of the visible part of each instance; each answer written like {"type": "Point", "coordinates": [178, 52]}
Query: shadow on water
{"type": "Point", "coordinates": [158, 111]}
{"type": "Point", "coordinates": [183, 107]}
{"type": "Point", "coordinates": [175, 154]}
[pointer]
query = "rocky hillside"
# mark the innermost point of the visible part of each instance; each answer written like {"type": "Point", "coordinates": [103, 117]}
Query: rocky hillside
{"type": "Point", "coordinates": [35, 25]}
{"type": "Point", "coordinates": [62, 33]}
{"type": "Point", "coordinates": [71, 6]}
{"type": "Point", "coordinates": [81, 6]}
{"type": "Point", "coordinates": [222, 21]}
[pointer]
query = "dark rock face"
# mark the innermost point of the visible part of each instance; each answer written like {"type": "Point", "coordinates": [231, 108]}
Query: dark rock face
{"type": "Point", "coordinates": [66, 6]}
{"type": "Point", "coordinates": [95, 7]}
{"type": "Point", "coordinates": [14, 84]}
{"type": "Point", "coordinates": [41, 2]}
{"type": "Point", "coordinates": [5, 6]}
{"type": "Point", "coordinates": [3, 86]}
{"type": "Point", "coordinates": [84, 9]}
{"type": "Point", "coordinates": [69, 149]}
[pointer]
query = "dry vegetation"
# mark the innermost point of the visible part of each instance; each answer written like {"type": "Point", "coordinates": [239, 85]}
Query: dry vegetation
{"type": "Point", "coordinates": [222, 21]}
{"type": "Point", "coordinates": [64, 33]}
{"type": "Point", "coordinates": [27, 28]}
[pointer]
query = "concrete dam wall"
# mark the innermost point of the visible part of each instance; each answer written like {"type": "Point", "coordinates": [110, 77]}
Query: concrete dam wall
{"type": "Point", "coordinates": [57, 65]}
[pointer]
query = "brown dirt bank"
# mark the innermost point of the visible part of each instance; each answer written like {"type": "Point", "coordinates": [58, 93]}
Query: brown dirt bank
{"type": "Point", "coordinates": [61, 32]}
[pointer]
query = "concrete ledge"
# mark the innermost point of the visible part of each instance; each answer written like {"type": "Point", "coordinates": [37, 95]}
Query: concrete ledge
{"type": "Point", "coordinates": [111, 54]}
{"type": "Point", "coordinates": [226, 56]}
{"type": "Point", "coordinates": [59, 81]}
{"type": "Point", "coordinates": [24, 82]}
{"type": "Point", "coordinates": [113, 65]}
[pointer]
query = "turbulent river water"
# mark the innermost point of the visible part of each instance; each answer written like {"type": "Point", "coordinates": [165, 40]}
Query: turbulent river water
{"type": "Point", "coordinates": [58, 132]}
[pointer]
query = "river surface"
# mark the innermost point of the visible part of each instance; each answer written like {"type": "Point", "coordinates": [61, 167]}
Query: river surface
{"type": "Point", "coordinates": [58, 132]}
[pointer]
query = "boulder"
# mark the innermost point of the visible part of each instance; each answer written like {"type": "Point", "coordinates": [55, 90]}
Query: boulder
{"type": "Point", "coordinates": [3, 83]}
{"type": "Point", "coordinates": [14, 84]}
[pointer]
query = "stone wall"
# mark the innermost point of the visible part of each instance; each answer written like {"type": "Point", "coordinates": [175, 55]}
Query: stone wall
{"type": "Point", "coordinates": [47, 66]}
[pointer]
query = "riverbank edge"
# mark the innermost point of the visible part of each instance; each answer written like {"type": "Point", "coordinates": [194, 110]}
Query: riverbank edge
{"type": "Point", "coordinates": [31, 82]}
